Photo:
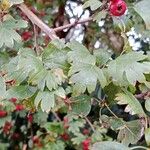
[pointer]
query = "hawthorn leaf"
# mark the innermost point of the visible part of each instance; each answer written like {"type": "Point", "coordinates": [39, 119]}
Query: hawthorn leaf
{"type": "Point", "coordinates": [54, 57]}
{"type": "Point", "coordinates": [102, 56]}
{"type": "Point", "coordinates": [80, 54]}
{"type": "Point", "coordinates": [83, 71]}
{"type": "Point", "coordinates": [40, 117]}
{"type": "Point", "coordinates": [78, 138]}
{"type": "Point", "coordinates": [45, 99]}
{"type": "Point", "coordinates": [147, 136]}
{"type": "Point", "coordinates": [18, 75]}
{"type": "Point", "coordinates": [8, 32]}
{"type": "Point", "coordinates": [81, 105]}
{"type": "Point", "coordinates": [60, 92]}
{"type": "Point", "coordinates": [14, 2]}
{"type": "Point", "coordinates": [130, 133]}
{"type": "Point", "coordinates": [2, 88]}
{"type": "Point", "coordinates": [127, 69]}
{"type": "Point", "coordinates": [147, 104]}
{"type": "Point", "coordinates": [142, 8]}
{"type": "Point", "coordinates": [109, 145]}
{"type": "Point", "coordinates": [20, 92]}
{"type": "Point", "coordinates": [99, 16]}
{"type": "Point", "coordinates": [93, 4]}
{"type": "Point", "coordinates": [58, 145]}
{"type": "Point", "coordinates": [54, 127]}
{"type": "Point", "coordinates": [49, 78]}
{"type": "Point", "coordinates": [75, 125]}
{"type": "Point", "coordinates": [29, 62]}
{"type": "Point", "coordinates": [128, 99]}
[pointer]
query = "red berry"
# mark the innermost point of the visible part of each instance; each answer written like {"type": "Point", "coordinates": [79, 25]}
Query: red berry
{"type": "Point", "coordinates": [66, 121]}
{"type": "Point", "coordinates": [30, 118]}
{"type": "Point", "coordinates": [37, 141]}
{"type": "Point", "coordinates": [15, 136]}
{"type": "Point", "coordinates": [65, 137]}
{"type": "Point", "coordinates": [13, 100]}
{"type": "Point", "coordinates": [3, 113]}
{"type": "Point", "coordinates": [7, 127]}
{"type": "Point", "coordinates": [19, 107]}
{"type": "Point", "coordinates": [86, 144]}
{"type": "Point", "coordinates": [117, 7]}
{"type": "Point", "coordinates": [26, 35]}
{"type": "Point", "coordinates": [86, 131]}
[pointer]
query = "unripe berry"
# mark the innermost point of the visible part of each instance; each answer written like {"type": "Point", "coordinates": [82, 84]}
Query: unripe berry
{"type": "Point", "coordinates": [117, 7]}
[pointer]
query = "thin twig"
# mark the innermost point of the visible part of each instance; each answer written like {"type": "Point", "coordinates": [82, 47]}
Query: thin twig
{"type": "Point", "coordinates": [35, 39]}
{"type": "Point", "coordinates": [34, 19]}
{"type": "Point", "coordinates": [90, 124]}
{"type": "Point", "coordinates": [72, 24]}
{"type": "Point", "coordinates": [56, 116]}
{"type": "Point", "coordinates": [120, 120]}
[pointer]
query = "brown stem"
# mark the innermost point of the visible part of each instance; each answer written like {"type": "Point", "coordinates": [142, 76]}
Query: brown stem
{"type": "Point", "coordinates": [35, 20]}
{"type": "Point", "coordinates": [90, 124]}
{"type": "Point", "coordinates": [72, 24]}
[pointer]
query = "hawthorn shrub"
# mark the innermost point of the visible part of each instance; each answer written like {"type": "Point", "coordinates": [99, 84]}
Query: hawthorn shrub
{"type": "Point", "coordinates": [60, 94]}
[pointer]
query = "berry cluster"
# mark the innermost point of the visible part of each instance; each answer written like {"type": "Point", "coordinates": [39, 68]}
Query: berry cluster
{"type": "Point", "coordinates": [117, 7]}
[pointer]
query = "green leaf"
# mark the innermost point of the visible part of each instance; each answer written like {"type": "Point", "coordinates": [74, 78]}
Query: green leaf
{"type": "Point", "coordinates": [29, 62]}
{"type": "Point", "coordinates": [80, 54]}
{"type": "Point", "coordinates": [129, 99]}
{"type": "Point", "coordinates": [81, 105]}
{"type": "Point", "coordinates": [147, 104]}
{"type": "Point", "coordinates": [147, 136]}
{"type": "Point", "coordinates": [93, 4]}
{"type": "Point", "coordinates": [55, 127]}
{"type": "Point", "coordinates": [75, 125]}
{"type": "Point", "coordinates": [4, 146]}
{"type": "Point", "coordinates": [130, 133]}
{"type": "Point", "coordinates": [2, 88]}
{"type": "Point", "coordinates": [54, 57]}
{"type": "Point", "coordinates": [8, 31]}
{"type": "Point", "coordinates": [108, 145]}
{"type": "Point", "coordinates": [58, 145]}
{"type": "Point", "coordinates": [84, 72]}
{"type": "Point", "coordinates": [142, 8]}
{"type": "Point", "coordinates": [16, 1]}
{"type": "Point", "coordinates": [40, 117]}
{"type": "Point", "coordinates": [127, 69]}
{"type": "Point", "coordinates": [99, 16]}
{"type": "Point", "coordinates": [60, 92]}
{"type": "Point", "coordinates": [102, 56]}
{"type": "Point", "coordinates": [45, 99]}
{"type": "Point", "coordinates": [20, 92]}
{"type": "Point", "coordinates": [78, 138]}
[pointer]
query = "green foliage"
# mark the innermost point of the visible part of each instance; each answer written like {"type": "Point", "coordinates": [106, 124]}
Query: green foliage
{"type": "Point", "coordinates": [142, 7]}
{"type": "Point", "coordinates": [109, 145]}
{"type": "Point", "coordinates": [64, 94]}
{"type": "Point", "coordinates": [93, 4]}
{"type": "Point", "coordinates": [7, 31]}
{"type": "Point", "coordinates": [128, 98]}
